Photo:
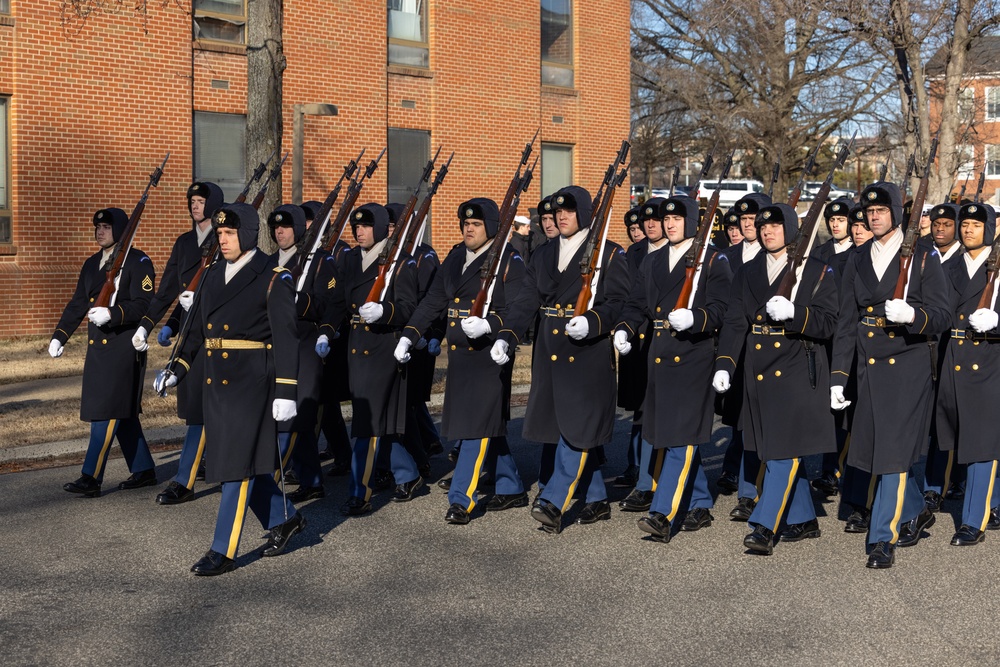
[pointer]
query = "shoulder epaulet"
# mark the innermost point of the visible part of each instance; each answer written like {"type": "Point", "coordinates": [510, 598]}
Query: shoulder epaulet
{"type": "Point", "coordinates": [279, 269]}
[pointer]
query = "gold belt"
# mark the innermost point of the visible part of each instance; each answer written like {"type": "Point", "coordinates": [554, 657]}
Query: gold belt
{"type": "Point", "coordinates": [233, 344]}
{"type": "Point", "coordinates": [965, 334]}
{"type": "Point", "coordinates": [879, 321]}
{"type": "Point", "coordinates": [767, 330]}
{"type": "Point", "coordinates": [556, 312]}
{"type": "Point", "coordinates": [460, 313]}
{"type": "Point", "coordinates": [661, 324]}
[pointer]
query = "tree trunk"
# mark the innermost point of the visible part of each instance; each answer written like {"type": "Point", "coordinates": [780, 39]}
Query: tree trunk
{"type": "Point", "coordinates": [265, 66]}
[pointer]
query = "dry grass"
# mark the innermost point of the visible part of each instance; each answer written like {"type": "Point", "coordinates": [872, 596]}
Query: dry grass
{"type": "Point", "coordinates": [40, 415]}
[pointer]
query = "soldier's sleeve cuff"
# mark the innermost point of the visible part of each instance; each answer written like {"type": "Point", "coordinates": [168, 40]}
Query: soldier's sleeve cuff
{"type": "Point", "coordinates": [411, 333]}
{"type": "Point", "coordinates": [596, 328]}
{"type": "Point", "coordinates": [725, 363]}
{"type": "Point", "coordinates": [509, 336]}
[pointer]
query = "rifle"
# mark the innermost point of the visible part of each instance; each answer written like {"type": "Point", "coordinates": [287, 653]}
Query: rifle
{"type": "Point", "coordinates": [979, 188]}
{"type": "Point", "coordinates": [275, 172]}
{"type": "Point", "coordinates": [390, 251]}
{"type": "Point", "coordinates": [988, 298]}
{"type": "Point", "coordinates": [884, 169]}
{"type": "Point", "coordinates": [210, 252]}
{"type": "Point", "coordinates": [961, 193]}
{"type": "Point", "coordinates": [124, 244]}
{"type": "Point", "coordinates": [491, 266]}
{"type": "Point", "coordinates": [411, 241]}
{"type": "Point", "coordinates": [775, 172]}
{"type": "Point", "coordinates": [673, 178]}
{"type": "Point", "coordinates": [807, 232]}
{"type": "Point", "coordinates": [314, 235]}
{"type": "Point", "coordinates": [257, 173]}
{"type": "Point", "coordinates": [913, 229]}
{"type": "Point", "coordinates": [695, 256]}
{"type": "Point", "coordinates": [793, 199]}
{"type": "Point", "coordinates": [353, 190]}
{"type": "Point", "coordinates": [909, 173]}
{"type": "Point", "coordinates": [597, 235]}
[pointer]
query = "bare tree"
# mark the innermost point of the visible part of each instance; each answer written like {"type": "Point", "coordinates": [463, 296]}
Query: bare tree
{"type": "Point", "coordinates": [771, 76]}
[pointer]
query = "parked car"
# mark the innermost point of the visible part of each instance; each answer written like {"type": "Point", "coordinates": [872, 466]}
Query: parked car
{"type": "Point", "coordinates": [731, 191]}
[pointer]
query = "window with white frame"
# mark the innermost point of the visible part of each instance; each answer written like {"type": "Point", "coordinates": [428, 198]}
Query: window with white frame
{"type": "Point", "coordinates": [557, 43]}
{"type": "Point", "coordinates": [993, 104]}
{"type": "Point", "coordinates": [408, 33]}
{"type": "Point", "coordinates": [993, 160]}
{"type": "Point", "coordinates": [967, 105]}
{"type": "Point", "coordinates": [220, 20]}
{"type": "Point", "coordinates": [966, 159]}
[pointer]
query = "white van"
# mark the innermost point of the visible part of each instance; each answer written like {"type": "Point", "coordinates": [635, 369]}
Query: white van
{"type": "Point", "coordinates": [731, 191]}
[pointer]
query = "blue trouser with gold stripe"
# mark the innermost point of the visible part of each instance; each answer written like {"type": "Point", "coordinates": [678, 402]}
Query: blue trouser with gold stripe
{"type": "Point", "coordinates": [833, 462]}
{"type": "Point", "coordinates": [191, 453]}
{"type": "Point", "coordinates": [858, 488]}
{"type": "Point", "coordinates": [784, 496]}
{"type": "Point", "coordinates": [299, 449]}
{"type": "Point", "coordinates": [941, 469]}
{"type": "Point", "coordinates": [649, 467]}
{"type": "Point", "coordinates": [264, 499]}
{"type": "Point", "coordinates": [897, 500]}
{"type": "Point", "coordinates": [751, 474]}
{"type": "Point", "coordinates": [130, 439]}
{"type": "Point", "coordinates": [366, 451]}
{"type": "Point", "coordinates": [682, 476]}
{"type": "Point", "coordinates": [574, 467]}
{"type": "Point", "coordinates": [473, 457]}
{"type": "Point", "coordinates": [980, 494]}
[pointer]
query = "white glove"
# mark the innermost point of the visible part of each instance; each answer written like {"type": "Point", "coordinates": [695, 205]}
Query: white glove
{"type": "Point", "coordinates": [681, 319]}
{"type": "Point", "coordinates": [900, 312]}
{"type": "Point", "coordinates": [578, 328]}
{"type": "Point", "coordinates": [402, 351]}
{"type": "Point", "coordinates": [99, 316]}
{"type": "Point", "coordinates": [837, 400]}
{"type": "Point", "coordinates": [323, 346]}
{"type": "Point", "coordinates": [780, 309]}
{"type": "Point", "coordinates": [621, 343]}
{"type": "Point", "coordinates": [186, 299]}
{"type": "Point", "coordinates": [371, 312]}
{"type": "Point", "coordinates": [984, 320]}
{"type": "Point", "coordinates": [499, 352]}
{"type": "Point", "coordinates": [283, 409]}
{"type": "Point", "coordinates": [164, 379]}
{"type": "Point", "coordinates": [421, 343]}
{"type": "Point", "coordinates": [139, 340]}
{"type": "Point", "coordinates": [474, 327]}
{"type": "Point", "coordinates": [55, 348]}
{"type": "Point", "coordinates": [720, 382]}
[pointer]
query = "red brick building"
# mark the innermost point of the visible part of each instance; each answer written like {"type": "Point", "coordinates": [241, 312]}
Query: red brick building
{"type": "Point", "coordinates": [88, 108]}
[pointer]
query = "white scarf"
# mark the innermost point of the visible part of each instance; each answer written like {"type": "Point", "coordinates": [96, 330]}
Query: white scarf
{"type": "Point", "coordinates": [653, 247]}
{"type": "Point", "coordinates": [678, 251]}
{"type": "Point", "coordinates": [568, 247]}
{"type": "Point", "coordinates": [285, 255]}
{"type": "Point", "coordinates": [843, 245]}
{"type": "Point", "coordinates": [233, 267]}
{"type": "Point", "coordinates": [883, 254]}
{"type": "Point", "coordinates": [750, 250]}
{"type": "Point", "coordinates": [955, 248]}
{"type": "Point", "coordinates": [972, 265]}
{"type": "Point", "coordinates": [775, 265]}
{"type": "Point", "coordinates": [202, 233]}
{"type": "Point", "coordinates": [368, 257]}
{"type": "Point", "coordinates": [105, 255]}
{"type": "Point", "coordinates": [471, 256]}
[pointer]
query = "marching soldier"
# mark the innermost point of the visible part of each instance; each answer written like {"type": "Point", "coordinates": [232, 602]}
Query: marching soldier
{"type": "Point", "coordinates": [477, 399]}
{"type": "Point", "coordinates": [834, 253]}
{"type": "Point", "coordinates": [246, 316]}
{"type": "Point", "coordinates": [633, 372]}
{"type": "Point", "coordinates": [378, 384]}
{"type": "Point", "coordinates": [186, 256]}
{"type": "Point", "coordinates": [678, 397]}
{"type": "Point", "coordinates": [940, 471]}
{"type": "Point", "coordinates": [740, 467]}
{"type": "Point", "coordinates": [785, 413]}
{"type": "Point", "coordinates": [297, 437]}
{"type": "Point", "coordinates": [731, 223]}
{"type": "Point", "coordinates": [968, 388]}
{"type": "Point", "coordinates": [632, 369]}
{"type": "Point", "coordinates": [895, 387]}
{"type": "Point", "coordinates": [547, 221]}
{"type": "Point", "coordinates": [113, 370]}
{"type": "Point", "coordinates": [572, 398]}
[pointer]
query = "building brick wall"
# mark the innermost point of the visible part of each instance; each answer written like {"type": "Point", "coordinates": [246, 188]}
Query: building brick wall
{"type": "Point", "coordinates": [92, 112]}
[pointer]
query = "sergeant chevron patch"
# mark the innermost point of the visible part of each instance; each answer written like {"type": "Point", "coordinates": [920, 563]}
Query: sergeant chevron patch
{"type": "Point", "coordinates": [147, 284]}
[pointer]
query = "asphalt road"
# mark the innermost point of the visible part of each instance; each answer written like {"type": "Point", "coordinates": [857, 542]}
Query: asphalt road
{"type": "Point", "coordinates": [106, 581]}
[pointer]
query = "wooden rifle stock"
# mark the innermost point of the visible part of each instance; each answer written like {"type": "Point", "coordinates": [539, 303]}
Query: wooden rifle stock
{"type": "Point", "coordinates": [807, 232]}
{"type": "Point", "coordinates": [353, 190]}
{"type": "Point", "coordinates": [913, 228]}
{"type": "Point", "coordinates": [413, 236]}
{"type": "Point", "coordinates": [123, 244]}
{"type": "Point", "coordinates": [696, 254]}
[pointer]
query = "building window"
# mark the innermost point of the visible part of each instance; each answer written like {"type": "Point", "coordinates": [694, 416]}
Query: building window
{"type": "Point", "coordinates": [557, 167]}
{"type": "Point", "coordinates": [408, 33]}
{"type": "Point", "coordinates": [557, 43]}
{"type": "Point", "coordinates": [967, 105]}
{"type": "Point", "coordinates": [220, 151]}
{"type": "Point", "coordinates": [993, 160]}
{"type": "Point", "coordinates": [993, 104]}
{"type": "Point", "coordinates": [406, 157]}
{"type": "Point", "coordinates": [966, 159]}
{"type": "Point", "coordinates": [4, 6]}
{"type": "Point", "coordinates": [220, 20]}
{"type": "Point", "coordinates": [6, 235]}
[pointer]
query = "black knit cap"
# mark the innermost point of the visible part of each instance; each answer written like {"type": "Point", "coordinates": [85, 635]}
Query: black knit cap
{"type": "Point", "coordinates": [633, 217]}
{"type": "Point", "coordinates": [288, 215]}
{"type": "Point", "coordinates": [949, 211]}
{"type": "Point", "coordinates": [732, 218]}
{"type": "Point", "coordinates": [783, 214]}
{"type": "Point", "coordinates": [575, 198]}
{"type": "Point", "coordinates": [545, 207]}
{"type": "Point", "coordinates": [117, 218]}
{"type": "Point", "coordinates": [687, 208]}
{"type": "Point", "coordinates": [985, 214]}
{"type": "Point", "coordinates": [241, 217]}
{"type": "Point", "coordinates": [311, 208]}
{"type": "Point", "coordinates": [373, 215]}
{"type": "Point", "coordinates": [480, 208]}
{"type": "Point", "coordinates": [752, 203]}
{"type": "Point", "coordinates": [883, 193]}
{"type": "Point", "coordinates": [211, 192]}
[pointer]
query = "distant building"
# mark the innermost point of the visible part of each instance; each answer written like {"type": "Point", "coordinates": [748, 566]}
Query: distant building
{"type": "Point", "coordinates": [88, 109]}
